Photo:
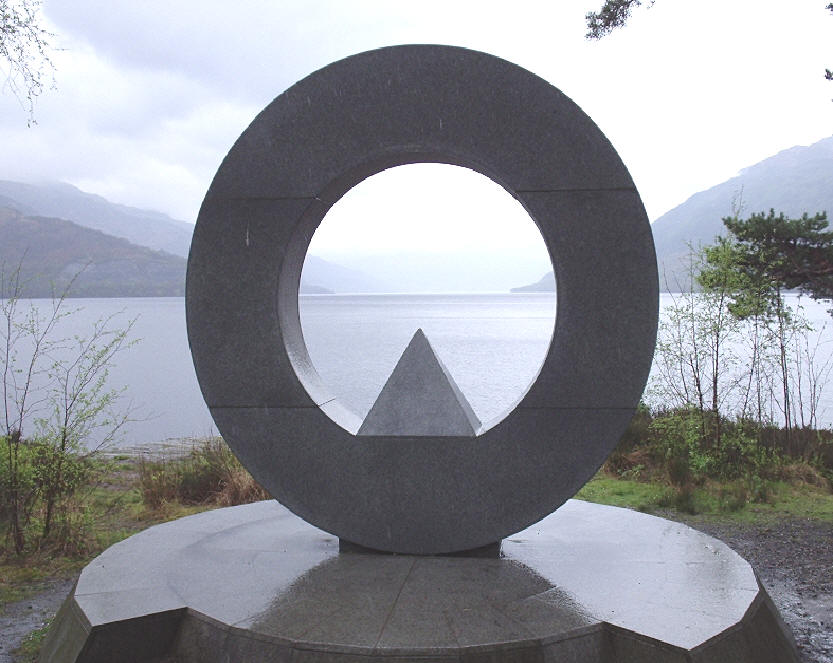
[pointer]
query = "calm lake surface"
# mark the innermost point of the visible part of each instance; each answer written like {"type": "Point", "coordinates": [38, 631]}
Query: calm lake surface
{"type": "Point", "coordinates": [493, 345]}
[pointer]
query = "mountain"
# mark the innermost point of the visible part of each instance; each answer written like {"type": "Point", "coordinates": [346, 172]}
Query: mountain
{"type": "Point", "coordinates": [64, 201]}
{"type": "Point", "coordinates": [481, 271]}
{"type": "Point", "coordinates": [794, 181]}
{"type": "Point", "coordinates": [545, 284]}
{"type": "Point", "coordinates": [322, 275]}
{"type": "Point", "coordinates": [310, 289]}
{"type": "Point", "coordinates": [50, 252]}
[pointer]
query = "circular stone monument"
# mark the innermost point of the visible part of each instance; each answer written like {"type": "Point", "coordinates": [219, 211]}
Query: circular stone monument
{"type": "Point", "coordinates": [256, 583]}
{"type": "Point", "coordinates": [338, 126]}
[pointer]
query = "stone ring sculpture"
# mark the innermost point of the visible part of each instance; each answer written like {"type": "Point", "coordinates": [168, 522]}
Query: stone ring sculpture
{"type": "Point", "coordinates": [340, 125]}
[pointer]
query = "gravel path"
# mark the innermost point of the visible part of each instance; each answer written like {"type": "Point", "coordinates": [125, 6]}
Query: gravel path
{"type": "Point", "coordinates": [19, 619]}
{"type": "Point", "coordinates": [793, 558]}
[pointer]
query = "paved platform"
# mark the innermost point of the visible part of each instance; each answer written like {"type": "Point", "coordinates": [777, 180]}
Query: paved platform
{"type": "Point", "coordinates": [256, 583]}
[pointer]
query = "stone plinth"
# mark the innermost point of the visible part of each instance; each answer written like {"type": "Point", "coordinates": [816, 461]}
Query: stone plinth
{"type": "Point", "coordinates": [256, 583]}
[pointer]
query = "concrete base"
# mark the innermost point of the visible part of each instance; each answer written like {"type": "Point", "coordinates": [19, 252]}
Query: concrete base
{"type": "Point", "coordinates": [255, 583]}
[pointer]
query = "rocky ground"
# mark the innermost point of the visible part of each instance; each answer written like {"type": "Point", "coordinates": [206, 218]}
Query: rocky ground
{"type": "Point", "coordinates": [19, 619]}
{"type": "Point", "coordinates": [793, 558]}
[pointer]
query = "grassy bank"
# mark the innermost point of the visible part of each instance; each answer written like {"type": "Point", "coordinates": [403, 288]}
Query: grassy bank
{"type": "Point", "coordinates": [781, 500]}
{"type": "Point", "coordinates": [696, 462]}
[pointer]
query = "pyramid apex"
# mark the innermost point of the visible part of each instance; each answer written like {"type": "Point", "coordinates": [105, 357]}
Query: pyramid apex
{"type": "Point", "coordinates": [420, 398]}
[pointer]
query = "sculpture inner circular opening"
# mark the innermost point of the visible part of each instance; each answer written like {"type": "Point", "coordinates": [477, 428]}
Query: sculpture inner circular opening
{"type": "Point", "coordinates": [438, 248]}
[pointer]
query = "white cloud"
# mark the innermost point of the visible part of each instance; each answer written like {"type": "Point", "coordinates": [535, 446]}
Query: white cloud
{"type": "Point", "coordinates": [152, 94]}
{"type": "Point", "coordinates": [426, 208]}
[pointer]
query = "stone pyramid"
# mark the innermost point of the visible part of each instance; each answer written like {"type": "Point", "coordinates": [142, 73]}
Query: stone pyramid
{"type": "Point", "coordinates": [420, 398]}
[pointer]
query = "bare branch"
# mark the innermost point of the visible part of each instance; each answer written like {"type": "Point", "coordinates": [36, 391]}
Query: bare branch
{"type": "Point", "coordinates": [25, 49]}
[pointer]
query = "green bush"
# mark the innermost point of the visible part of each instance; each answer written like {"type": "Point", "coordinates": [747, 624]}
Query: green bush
{"type": "Point", "coordinates": [39, 485]}
{"type": "Point", "coordinates": [688, 446]}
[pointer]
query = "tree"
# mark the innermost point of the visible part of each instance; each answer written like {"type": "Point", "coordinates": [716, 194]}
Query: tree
{"type": "Point", "coordinates": [780, 253]}
{"type": "Point", "coordinates": [53, 397]}
{"type": "Point", "coordinates": [613, 14]}
{"type": "Point", "coordinates": [24, 49]}
{"type": "Point", "coordinates": [695, 355]}
{"type": "Point", "coordinates": [765, 255]}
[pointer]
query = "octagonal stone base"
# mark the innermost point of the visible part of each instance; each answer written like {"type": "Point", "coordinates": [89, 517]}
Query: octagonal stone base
{"type": "Point", "coordinates": [255, 583]}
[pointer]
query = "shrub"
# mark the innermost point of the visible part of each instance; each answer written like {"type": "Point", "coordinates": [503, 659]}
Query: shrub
{"type": "Point", "coordinates": [733, 497]}
{"type": "Point", "coordinates": [209, 474]}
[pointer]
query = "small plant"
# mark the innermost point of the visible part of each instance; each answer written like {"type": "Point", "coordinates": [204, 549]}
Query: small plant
{"type": "Point", "coordinates": [733, 497]}
{"type": "Point", "coordinates": [209, 474]}
{"type": "Point", "coordinates": [30, 647]}
{"type": "Point", "coordinates": [54, 401]}
{"type": "Point", "coordinates": [632, 473]}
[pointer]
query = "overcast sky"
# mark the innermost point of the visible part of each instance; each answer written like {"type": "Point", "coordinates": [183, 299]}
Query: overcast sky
{"type": "Point", "coordinates": [150, 95]}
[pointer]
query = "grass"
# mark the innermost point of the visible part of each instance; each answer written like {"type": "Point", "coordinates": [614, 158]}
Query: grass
{"type": "Point", "coordinates": [20, 581]}
{"type": "Point", "coordinates": [604, 489]}
{"type": "Point", "coordinates": [761, 502]}
{"type": "Point", "coordinates": [29, 649]}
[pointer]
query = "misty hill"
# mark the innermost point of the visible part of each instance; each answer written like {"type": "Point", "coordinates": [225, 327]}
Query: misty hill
{"type": "Point", "coordinates": [321, 276]}
{"type": "Point", "coordinates": [311, 289]}
{"type": "Point", "coordinates": [481, 271]}
{"type": "Point", "coordinates": [64, 201]}
{"type": "Point", "coordinates": [55, 250]}
{"type": "Point", "coordinates": [545, 284]}
{"type": "Point", "coordinates": [793, 181]}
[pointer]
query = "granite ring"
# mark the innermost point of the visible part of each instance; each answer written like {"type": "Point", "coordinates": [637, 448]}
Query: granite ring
{"type": "Point", "coordinates": [340, 125]}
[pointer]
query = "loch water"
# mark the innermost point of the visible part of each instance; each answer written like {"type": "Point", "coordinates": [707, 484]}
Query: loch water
{"type": "Point", "coordinates": [492, 344]}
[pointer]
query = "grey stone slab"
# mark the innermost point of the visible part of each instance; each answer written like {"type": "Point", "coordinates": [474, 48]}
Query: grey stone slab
{"type": "Point", "coordinates": [352, 612]}
{"type": "Point", "coordinates": [199, 638]}
{"type": "Point", "coordinates": [420, 398]}
{"type": "Point", "coordinates": [590, 644]}
{"type": "Point", "coordinates": [630, 647]}
{"type": "Point", "coordinates": [136, 640]}
{"type": "Point", "coordinates": [429, 494]}
{"type": "Point", "coordinates": [69, 632]}
{"type": "Point", "coordinates": [528, 605]}
{"type": "Point", "coordinates": [412, 103]}
{"type": "Point", "coordinates": [608, 300]}
{"type": "Point", "coordinates": [569, 557]}
{"type": "Point", "coordinates": [768, 638]}
{"type": "Point", "coordinates": [234, 327]}
{"type": "Point", "coordinates": [328, 132]}
{"type": "Point", "coordinates": [728, 646]}
{"type": "Point", "coordinates": [325, 655]}
{"type": "Point", "coordinates": [529, 652]}
{"type": "Point", "coordinates": [202, 639]}
{"type": "Point", "coordinates": [108, 607]}
{"type": "Point", "coordinates": [438, 586]}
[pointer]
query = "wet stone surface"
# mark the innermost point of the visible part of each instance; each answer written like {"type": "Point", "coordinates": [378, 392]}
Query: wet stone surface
{"type": "Point", "coordinates": [794, 560]}
{"type": "Point", "coordinates": [284, 581]}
